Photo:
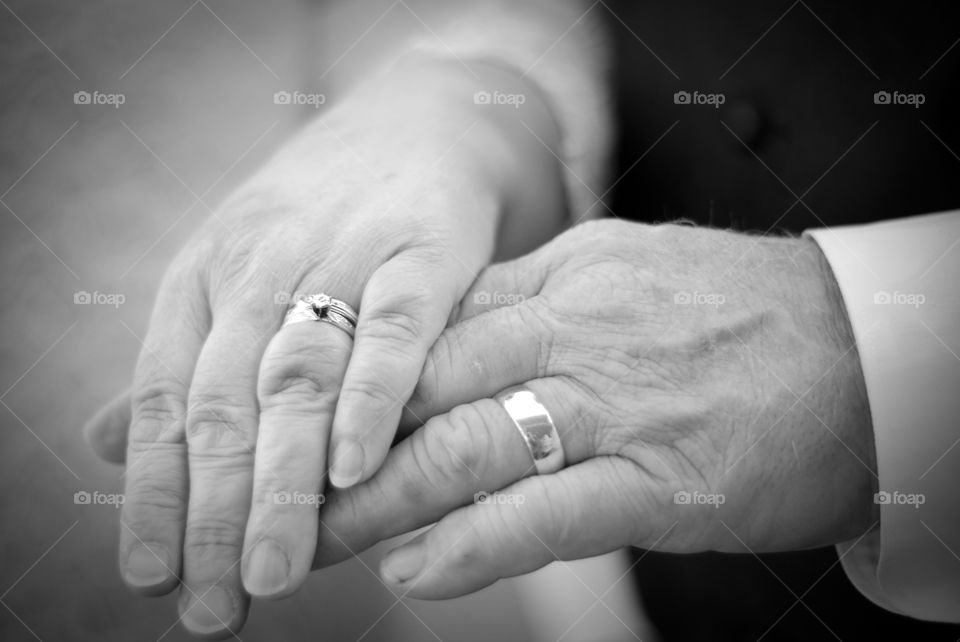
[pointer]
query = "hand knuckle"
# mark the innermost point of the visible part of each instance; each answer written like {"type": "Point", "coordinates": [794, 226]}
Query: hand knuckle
{"type": "Point", "coordinates": [292, 387]}
{"type": "Point", "coordinates": [218, 426]}
{"type": "Point", "coordinates": [460, 444]}
{"type": "Point", "coordinates": [186, 273]}
{"type": "Point", "coordinates": [158, 414]}
{"type": "Point", "coordinates": [152, 494]}
{"type": "Point", "coordinates": [534, 319]}
{"type": "Point", "coordinates": [398, 326]}
{"type": "Point", "coordinates": [291, 371]}
{"type": "Point", "coordinates": [212, 538]}
{"type": "Point", "coordinates": [403, 316]}
{"type": "Point", "coordinates": [297, 391]}
{"type": "Point", "coordinates": [237, 270]}
{"type": "Point", "coordinates": [370, 392]}
{"type": "Point", "coordinates": [320, 355]}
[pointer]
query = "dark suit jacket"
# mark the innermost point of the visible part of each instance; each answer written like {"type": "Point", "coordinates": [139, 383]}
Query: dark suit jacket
{"type": "Point", "coordinates": [800, 141]}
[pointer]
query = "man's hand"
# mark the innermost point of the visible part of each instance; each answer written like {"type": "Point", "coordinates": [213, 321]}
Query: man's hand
{"type": "Point", "coordinates": [706, 387]}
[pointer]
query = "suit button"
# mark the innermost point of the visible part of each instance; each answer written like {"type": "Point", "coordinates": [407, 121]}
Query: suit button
{"type": "Point", "coordinates": [745, 121]}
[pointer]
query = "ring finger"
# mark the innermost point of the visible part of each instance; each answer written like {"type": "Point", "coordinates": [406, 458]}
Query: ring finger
{"type": "Point", "coordinates": [298, 387]}
{"type": "Point", "coordinates": [456, 458]}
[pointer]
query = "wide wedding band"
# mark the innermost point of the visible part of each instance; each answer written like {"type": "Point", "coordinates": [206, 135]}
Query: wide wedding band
{"type": "Point", "coordinates": [536, 426]}
{"type": "Point", "coordinates": [322, 307]}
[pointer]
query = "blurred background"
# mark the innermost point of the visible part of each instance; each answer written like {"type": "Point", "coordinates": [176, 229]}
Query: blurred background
{"type": "Point", "coordinates": [121, 125]}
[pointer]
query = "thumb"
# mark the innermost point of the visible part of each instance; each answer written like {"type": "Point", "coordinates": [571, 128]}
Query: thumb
{"type": "Point", "coordinates": [106, 432]}
{"type": "Point", "coordinates": [581, 511]}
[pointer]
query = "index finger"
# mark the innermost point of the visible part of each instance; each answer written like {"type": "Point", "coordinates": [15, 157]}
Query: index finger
{"type": "Point", "coordinates": [453, 460]}
{"type": "Point", "coordinates": [404, 308]}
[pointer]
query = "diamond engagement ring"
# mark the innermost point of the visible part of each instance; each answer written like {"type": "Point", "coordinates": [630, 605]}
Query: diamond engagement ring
{"type": "Point", "coordinates": [322, 307]}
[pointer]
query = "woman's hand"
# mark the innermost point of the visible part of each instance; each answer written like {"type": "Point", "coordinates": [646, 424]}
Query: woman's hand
{"type": "Point", "coordinates": [391, 203]}
{"type": "Point", "coordinates": [705, 386]}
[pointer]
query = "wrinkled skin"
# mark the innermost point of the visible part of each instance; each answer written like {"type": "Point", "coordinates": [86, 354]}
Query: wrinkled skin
{"type": "Point", "coordinates": [757, 397]}
{"type": "Point", "coordinates": [673, 360]}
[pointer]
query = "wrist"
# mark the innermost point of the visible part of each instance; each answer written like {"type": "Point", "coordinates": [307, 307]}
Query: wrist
{"type": "Point", "coordinates": [845, 401]}
{"type": "Point", "coordinates": [517, 132]}
{"type": "Point", "coordinates": [817, 454]}
{"type": "Point", "coordinates": [482, 121]}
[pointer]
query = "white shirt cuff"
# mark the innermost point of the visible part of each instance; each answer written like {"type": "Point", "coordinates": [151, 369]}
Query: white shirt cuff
{"type": "Point", "coordinates": [900, 282]}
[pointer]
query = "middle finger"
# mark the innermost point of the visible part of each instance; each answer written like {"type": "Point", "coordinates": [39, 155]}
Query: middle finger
{"type": "Point", "coordinates": [299, 383]}
{"type": "Point", "coordinates": [221, 434]}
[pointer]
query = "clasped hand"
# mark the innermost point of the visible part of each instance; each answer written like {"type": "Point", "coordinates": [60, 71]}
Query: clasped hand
{"type": "Point", "coordinates": [677, 363]}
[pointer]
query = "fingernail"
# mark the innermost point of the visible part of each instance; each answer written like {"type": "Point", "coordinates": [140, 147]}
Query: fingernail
{"type": "Point", "coordinates": [266, 570]}
{"type": "Point", "coordinates": [147, 565]}
{"type": "Point", "coordinates": [347, 464]}
{"type": "Point", "coordinates": [403, 564]}
{"type": "Point", "coordinates": [209, 611]}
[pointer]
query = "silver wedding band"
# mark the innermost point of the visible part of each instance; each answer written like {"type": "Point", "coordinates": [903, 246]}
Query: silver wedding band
{"type": "Point", "coordinates": [322, 307]}
{"type": "Point", "coordinates": [536, 426]}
